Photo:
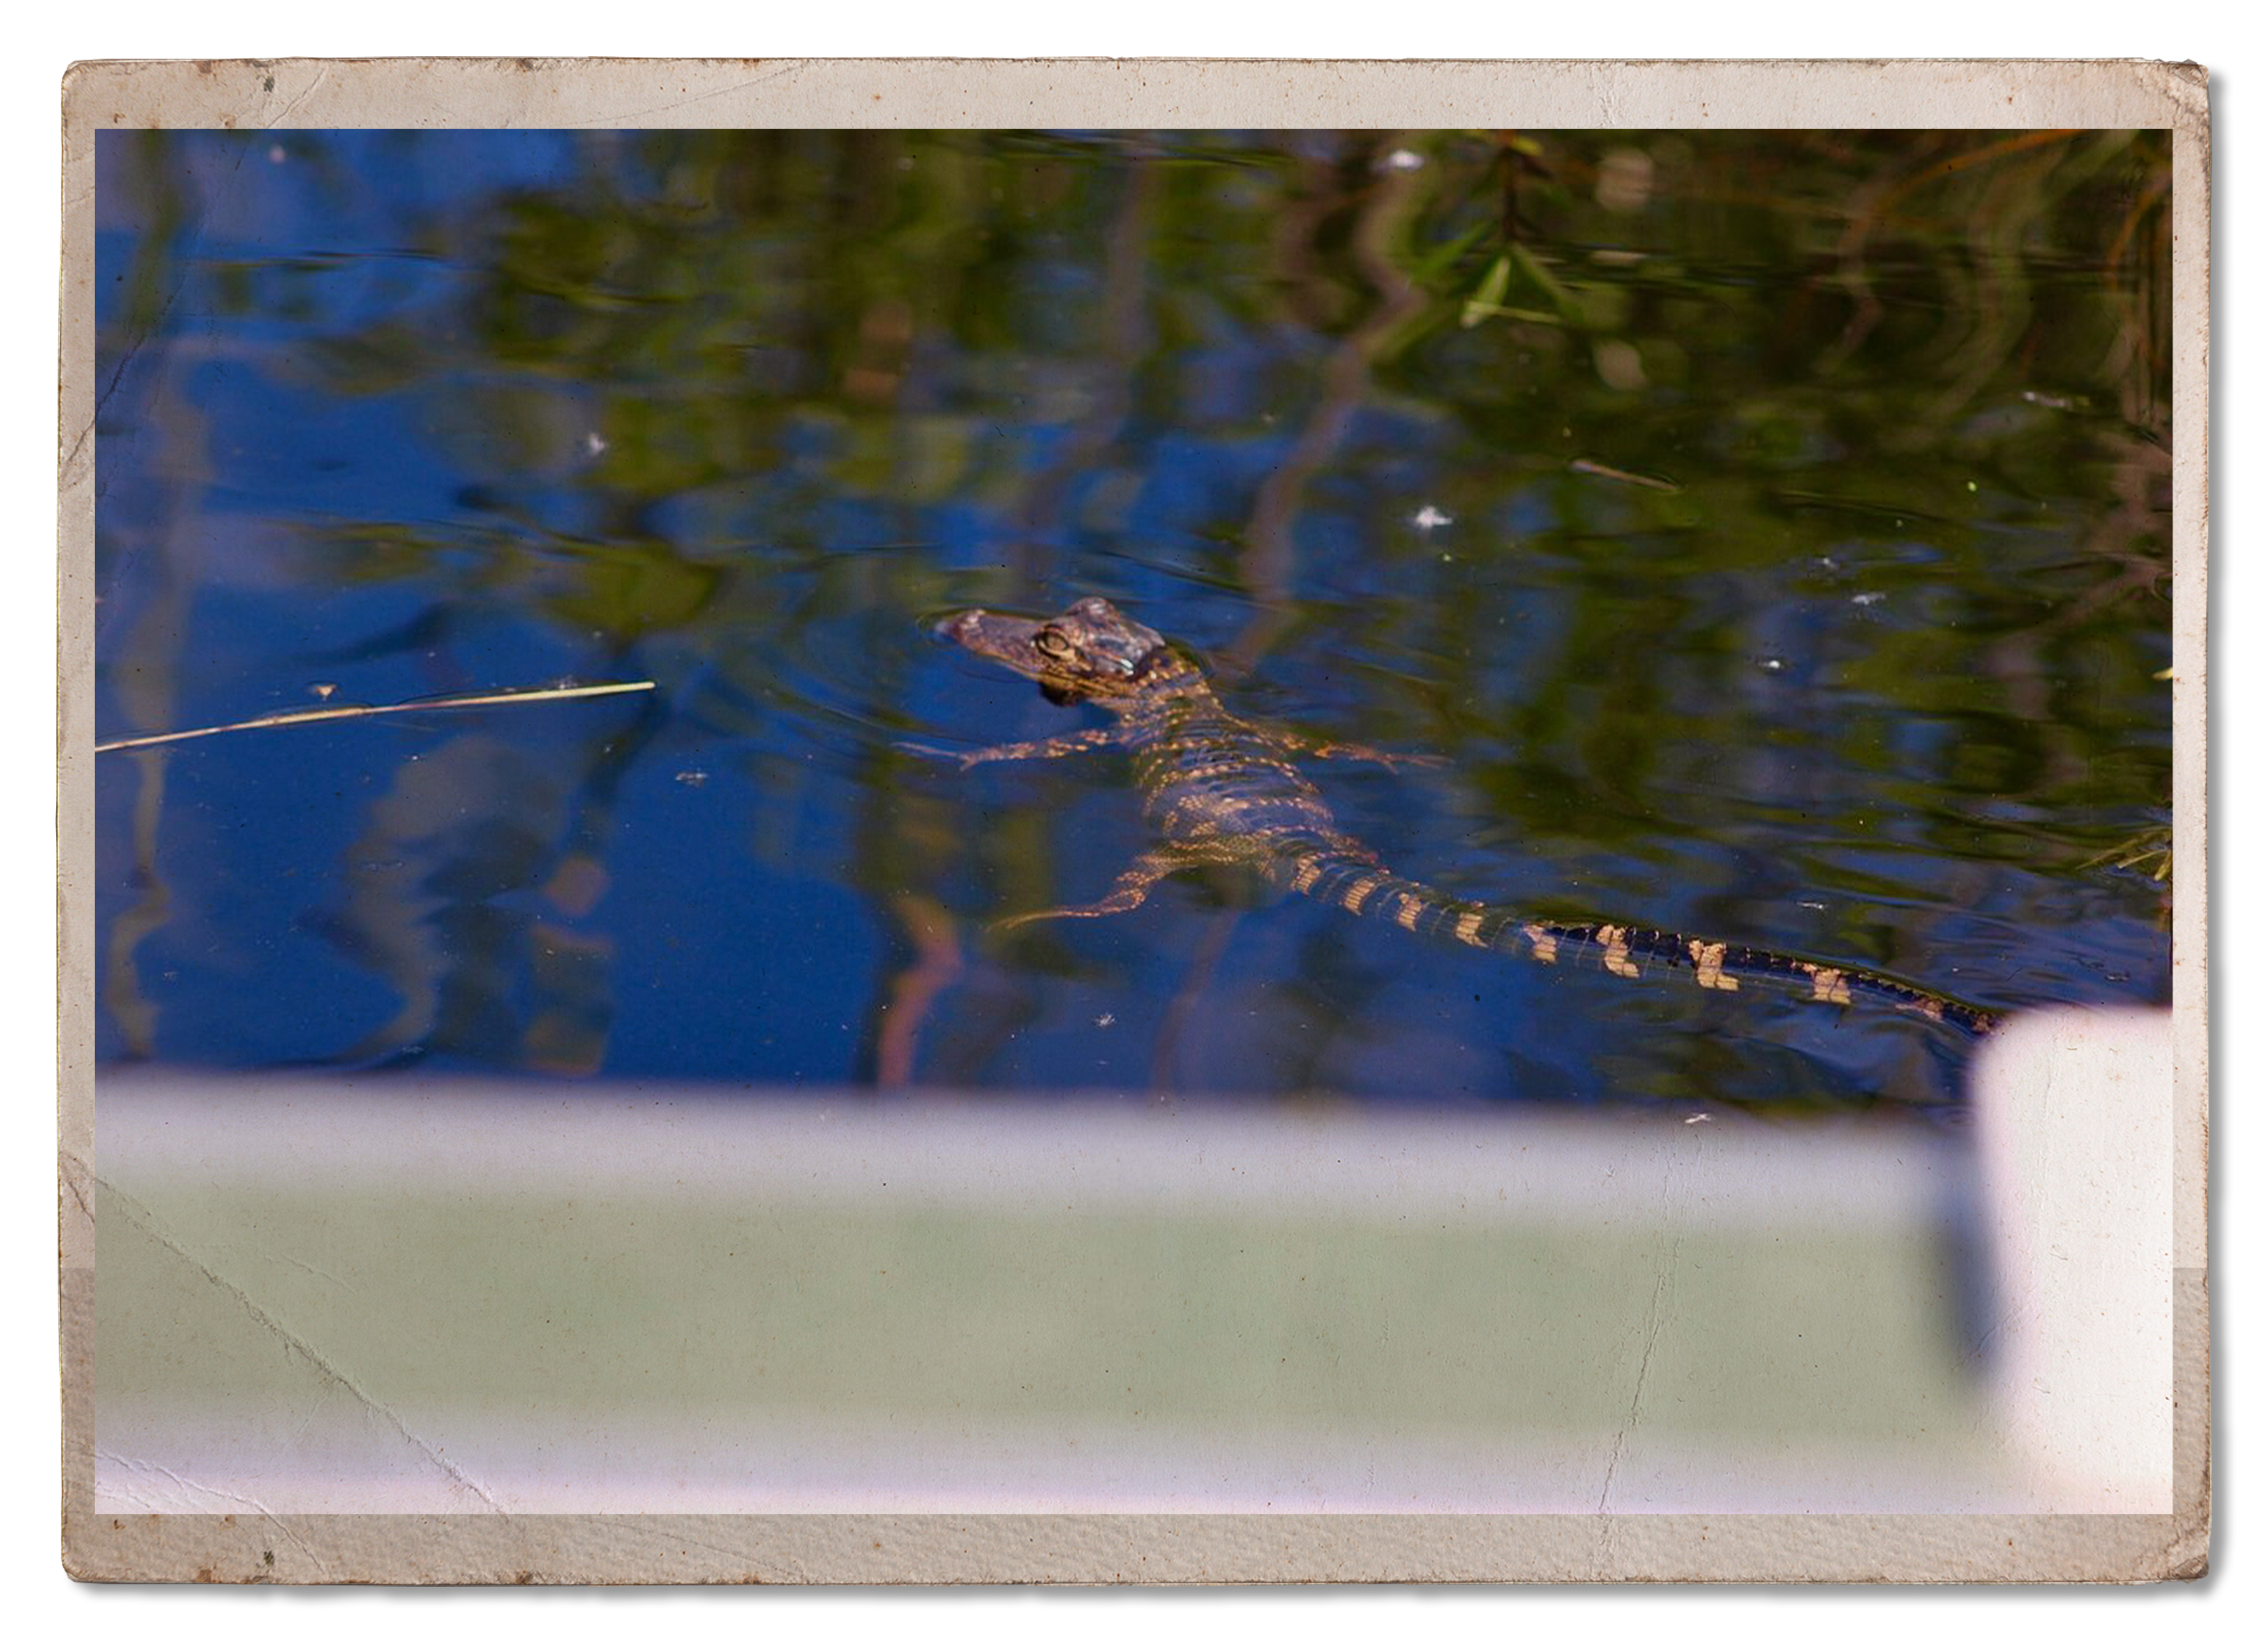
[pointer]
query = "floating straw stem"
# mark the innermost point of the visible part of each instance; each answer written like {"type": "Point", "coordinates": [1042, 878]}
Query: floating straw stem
{"type": "Point", "coordinates": [317, 715]}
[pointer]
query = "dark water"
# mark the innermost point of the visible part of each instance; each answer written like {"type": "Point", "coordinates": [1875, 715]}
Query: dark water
{"type": "Point", "coordinates": [1768, 531]}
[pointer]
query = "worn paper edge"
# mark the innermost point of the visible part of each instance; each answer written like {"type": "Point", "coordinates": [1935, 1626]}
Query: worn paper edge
{"type": "Point", "coordinates": [288, 94]}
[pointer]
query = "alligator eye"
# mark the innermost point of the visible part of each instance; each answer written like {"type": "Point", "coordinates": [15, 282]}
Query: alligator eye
{"type": "Point", "coordinates": [1048, 642]}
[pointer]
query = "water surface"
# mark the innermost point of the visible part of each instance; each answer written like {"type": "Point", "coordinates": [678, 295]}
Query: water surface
{"type": "Point", "coordinates": [1767, 533]}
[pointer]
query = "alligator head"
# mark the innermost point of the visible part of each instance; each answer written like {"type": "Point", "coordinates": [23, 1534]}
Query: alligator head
{"type": "Point", "coordinates": [1093, 649]}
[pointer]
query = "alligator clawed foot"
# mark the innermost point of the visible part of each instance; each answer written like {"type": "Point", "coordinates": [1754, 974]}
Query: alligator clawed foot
{"type": "Point", "coordinates": [942, 755]}
{"type": "Point", "coordinates": [1100, 910]}
{"type": "Point", "coordinates": [1131, 890]}
{"type": "Point", "coordinates": [1378, 755]}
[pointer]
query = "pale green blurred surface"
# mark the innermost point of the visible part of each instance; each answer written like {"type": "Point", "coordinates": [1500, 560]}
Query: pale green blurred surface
{"type": "Point", "coordinates": [529, 1298]}
{"type": "Point", "coordinates": [397, 1302]}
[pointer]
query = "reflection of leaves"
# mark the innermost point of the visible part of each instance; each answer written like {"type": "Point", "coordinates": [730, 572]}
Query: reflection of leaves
{"type": "Point", "coordinates": [618, 591]}
{"type": "Point", "coordinates": [1566, 307]}
{"type": "Point", "coordinates": [764, 321]}
{"type": "Point", "coordinates": [1488, 296]}
{"type": "Point", "coordinates": [630, 589]}
{"type": "Point", "coordinates": [1974, 239]}
{"type": "Point", "coordinates": [381, 358]}
{"type": "Point", "coordinates": [762, 398]}
{"type": "Point", "coordinates": [2150, 852]}
{"type": "Point", "coordinates": [738, 308]}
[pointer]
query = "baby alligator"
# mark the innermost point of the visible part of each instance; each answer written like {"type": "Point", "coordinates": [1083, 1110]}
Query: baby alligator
{"type": "Point", "coordinates": [1221, 789]}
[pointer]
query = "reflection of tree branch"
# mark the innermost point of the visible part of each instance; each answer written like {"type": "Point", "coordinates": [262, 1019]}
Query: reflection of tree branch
{"type": "Point", "coordinates": [2003, 306]}
{"type": "Point", "coordinates": [146, 682]}
{"type": "Point", "coordinates": [990, 1010]}
{"type": "Point", "coordinates": [2133, 360]}
{"type": "Point", "coordinates": [1862, 212]}
{"type": "Point", "coordinates": [571, 973]}
{"type": "Point", "coordinates": [895, 840]}
{"type": "Point", "coordinates": [459, 831]}
{"type": "Point", "coordinates": [133, 1009]}
{"type": "Point", "coordinates": [572, 1004]}
{"type": "Point", "coordinates": [1266, 561]}
{"type": "Point", "coordinates": [1204, 964]}
{"type": "Point", "coordinates": [2159, 185]}
{"type": "Point", "coordinates": [2017, 659]}
{"type": "Point", "coordinates": [1110, 387]}
{"type": "Point", "coordinates": [937, 964]}
{"type": "Point", "coordinates": [1871, 204]}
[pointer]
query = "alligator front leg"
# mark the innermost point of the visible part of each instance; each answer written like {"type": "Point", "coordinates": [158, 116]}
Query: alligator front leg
{"type": "Point", "coordinates": [1133, 888]}
{"type": "Point", "coordinates": [1053, 748]}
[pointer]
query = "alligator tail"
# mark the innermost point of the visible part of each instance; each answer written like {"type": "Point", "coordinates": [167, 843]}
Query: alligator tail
{"type": "Point", "coordinates": [1361, 887]}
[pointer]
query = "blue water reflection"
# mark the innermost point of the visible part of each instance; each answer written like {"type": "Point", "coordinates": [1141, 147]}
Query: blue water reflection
{"type": "Point", "coordinates": [1754, 566]}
